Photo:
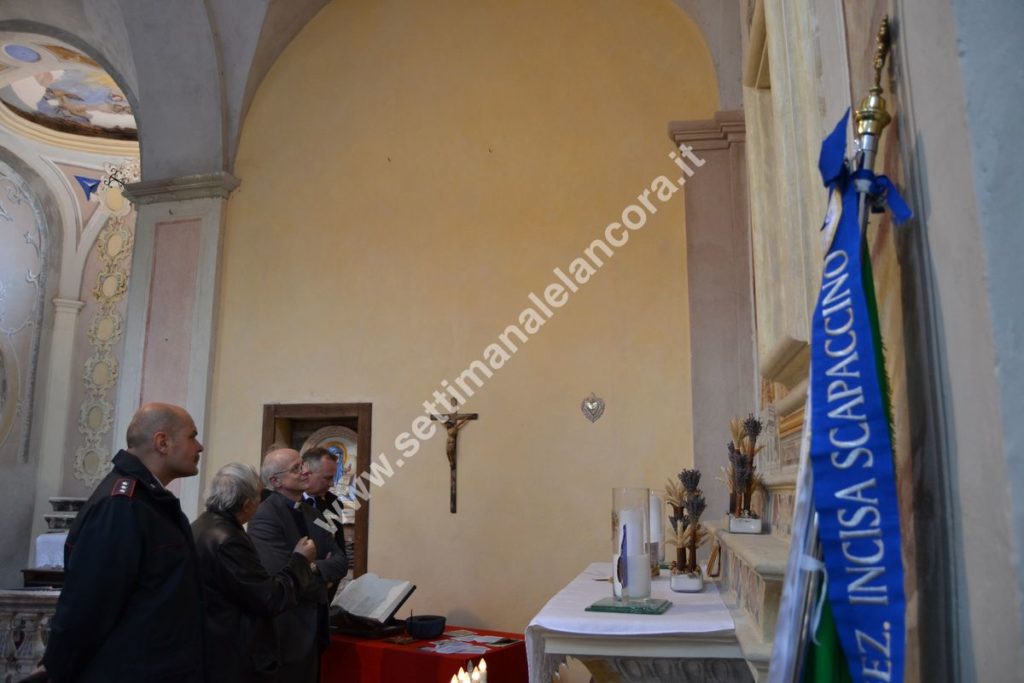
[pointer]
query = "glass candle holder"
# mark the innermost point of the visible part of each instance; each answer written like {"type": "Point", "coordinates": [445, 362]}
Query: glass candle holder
{"type": "Point", "coordinates": [631, 528]}
{"type": "Point", "coordinates": [657, 539]}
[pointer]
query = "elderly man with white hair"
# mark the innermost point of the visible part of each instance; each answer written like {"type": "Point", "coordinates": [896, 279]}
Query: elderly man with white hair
{"type": "Point", "coordinates": [281, 520]}
{"type": "Point", "coordinates": [241, 597]}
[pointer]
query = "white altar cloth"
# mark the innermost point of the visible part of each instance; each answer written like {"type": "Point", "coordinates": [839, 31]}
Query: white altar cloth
{"type": "Point", "coordinates": [50, 549]}
{"type": "Point", "coordinates": [563, 627]}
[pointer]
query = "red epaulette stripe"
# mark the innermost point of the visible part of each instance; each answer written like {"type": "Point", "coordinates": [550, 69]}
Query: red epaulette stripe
{"type": "Point", "coordinates": [125, 486]}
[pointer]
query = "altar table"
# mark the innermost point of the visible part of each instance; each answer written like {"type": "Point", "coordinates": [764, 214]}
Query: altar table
{"type": "Point", "coordinates": [694, 640]}
{"type": "Point", "coordinates": [359, 660]}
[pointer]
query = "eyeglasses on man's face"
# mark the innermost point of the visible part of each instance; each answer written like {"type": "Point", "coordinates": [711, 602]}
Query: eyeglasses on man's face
{"type": "Point", "coordinates": [297, 468]}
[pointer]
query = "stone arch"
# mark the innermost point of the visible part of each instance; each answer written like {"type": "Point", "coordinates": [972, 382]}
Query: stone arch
{"type": "Point", "coordinates": [720, 24]}
{"type": "Point", "coordinates": [37, 193]}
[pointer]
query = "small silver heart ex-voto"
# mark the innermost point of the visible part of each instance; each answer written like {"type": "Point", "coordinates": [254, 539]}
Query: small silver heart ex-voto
{"type": "Point", "coordinates": [592, 407]}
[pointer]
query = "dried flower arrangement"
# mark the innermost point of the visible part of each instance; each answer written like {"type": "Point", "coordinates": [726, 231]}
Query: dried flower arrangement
{"type": "Point", "coordinates": [741, 474]}
{"type": "Point", "coordinates": [687, 501]}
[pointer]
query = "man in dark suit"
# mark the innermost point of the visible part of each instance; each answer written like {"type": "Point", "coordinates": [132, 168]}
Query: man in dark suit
{"type": "Point", "coordinates": [279, 523]}
{"type": "Point", "coordinates": [323, 469]}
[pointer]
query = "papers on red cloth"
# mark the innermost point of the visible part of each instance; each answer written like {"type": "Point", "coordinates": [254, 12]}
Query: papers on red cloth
{"type": "Point", "coordinates": [468, 642]}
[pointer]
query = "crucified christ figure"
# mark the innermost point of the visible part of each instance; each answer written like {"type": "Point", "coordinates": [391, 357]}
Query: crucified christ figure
{"type": "Point", "coordinates": [453, 422]}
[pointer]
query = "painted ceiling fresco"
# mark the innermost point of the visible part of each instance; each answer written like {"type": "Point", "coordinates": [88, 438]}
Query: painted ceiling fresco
{"type": "Point", "coordinates": [57, 86]}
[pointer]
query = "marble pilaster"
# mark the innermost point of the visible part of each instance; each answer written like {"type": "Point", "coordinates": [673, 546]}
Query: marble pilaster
{"type": "Point", "coordinates": [172, 300]}
{"type": "Point", "coordinates": [719, 285]}
{"type": "Point", "coordinates": [55, 414]}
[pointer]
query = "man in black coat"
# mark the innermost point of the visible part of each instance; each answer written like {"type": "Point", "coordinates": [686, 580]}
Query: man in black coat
{"type": "Point", "coordinates": [281, 520]}
{"type": "Point", "coordinates": [241, 597]}
{"type": "Point", "coordinates": [131, 607]}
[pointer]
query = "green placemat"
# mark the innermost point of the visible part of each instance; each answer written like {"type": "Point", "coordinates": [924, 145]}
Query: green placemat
{"type": "Point", "coordinates": [648, 606]}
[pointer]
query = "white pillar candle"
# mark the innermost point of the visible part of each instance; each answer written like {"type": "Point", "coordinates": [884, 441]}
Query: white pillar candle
{"type": "Point", "coordinates": [631, 526]}
{"type": "Point", "coordinates": [638, 568]}
{"type": "Point", "coordinates": [638, 562]}
{"type": "Point", "coordinates": [455, 679]}
{"type": "Point", "coordinates": [482, 668]}
{"type": "Point", "coordinates": [657, 508]}
{"type": "Point", "coordinates": [475, 678]}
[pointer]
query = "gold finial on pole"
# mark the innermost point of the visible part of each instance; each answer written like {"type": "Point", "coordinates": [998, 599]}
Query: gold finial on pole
{"type": "Point", "coordinates": [881, 53]}
{"type": "Point", "coordinates": [871, 117]}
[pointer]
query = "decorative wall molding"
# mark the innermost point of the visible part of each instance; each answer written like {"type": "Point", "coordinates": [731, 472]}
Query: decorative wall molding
{"type": "Point", "coordinates": [727, 128]}
{"type": "Point", "coordinates": [68, 305]}
{"type": "Point", "coordinates": [96, 415]}
{"type": "Point", "coordinates": [220, 184]}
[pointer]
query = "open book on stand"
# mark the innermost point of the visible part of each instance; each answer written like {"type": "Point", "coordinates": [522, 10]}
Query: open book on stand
{"type": "Point", "coordinates": [366, 606]}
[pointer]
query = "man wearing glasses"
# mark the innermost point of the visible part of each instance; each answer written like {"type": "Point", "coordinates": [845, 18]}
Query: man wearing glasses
{"type": "Point", "coordinates": [279, 523]}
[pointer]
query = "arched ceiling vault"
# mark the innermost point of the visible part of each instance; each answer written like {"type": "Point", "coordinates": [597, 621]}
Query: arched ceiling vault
{"type": "Point", "coordinates": [190, 68]}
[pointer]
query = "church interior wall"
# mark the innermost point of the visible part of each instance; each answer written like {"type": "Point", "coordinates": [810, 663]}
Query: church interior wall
{"type": "Point", "coordinates": [977, 502]}
{"type": "Point", "coordinates": [990, 58]}
{"type": "Point", "coordinates": [397, 207]}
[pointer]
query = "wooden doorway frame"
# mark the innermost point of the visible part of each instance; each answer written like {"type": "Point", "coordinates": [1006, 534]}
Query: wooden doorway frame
{"type": "Point", "coordinates": [363, 414]}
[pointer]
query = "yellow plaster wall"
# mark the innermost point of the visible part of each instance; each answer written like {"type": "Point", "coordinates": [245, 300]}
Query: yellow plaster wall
{"type": "Point", "coordinates": [410, 173]}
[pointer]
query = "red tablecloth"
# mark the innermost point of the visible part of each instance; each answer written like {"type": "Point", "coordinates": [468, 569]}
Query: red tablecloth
{"type": "Point", "coordinates": [358, 660]}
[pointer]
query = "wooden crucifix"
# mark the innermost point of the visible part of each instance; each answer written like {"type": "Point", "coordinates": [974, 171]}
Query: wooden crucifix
{"type": "Point", "coordinates": [453, 422]}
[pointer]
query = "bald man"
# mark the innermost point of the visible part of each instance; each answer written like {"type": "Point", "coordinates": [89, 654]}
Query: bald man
{"type": "Point", "coordinates": [280, 521]}
{"type": "Point", "coordinates": [131, 608]}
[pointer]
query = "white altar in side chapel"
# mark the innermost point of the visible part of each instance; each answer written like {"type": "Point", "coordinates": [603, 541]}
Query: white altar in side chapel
{"type": "Point", "coordinates": [695, 640]}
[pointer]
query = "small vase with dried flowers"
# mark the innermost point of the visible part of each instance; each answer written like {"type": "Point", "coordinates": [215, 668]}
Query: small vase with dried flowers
{"type": "Point", "coordinates": [742, 476]}
{"type": "Point", "coordinates": [688, 504]}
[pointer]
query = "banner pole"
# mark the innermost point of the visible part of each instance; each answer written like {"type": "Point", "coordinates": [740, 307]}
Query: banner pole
{"type": "Point", "coordinates": [803, 580]}
{"type": "Point", "coordinates": [871, 118]}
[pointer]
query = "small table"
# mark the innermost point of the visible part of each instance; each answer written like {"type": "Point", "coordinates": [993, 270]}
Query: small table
{"type": "Point", "coordinates": [359, 660]}
{"type": "Point", "coordinates": [695, 640]}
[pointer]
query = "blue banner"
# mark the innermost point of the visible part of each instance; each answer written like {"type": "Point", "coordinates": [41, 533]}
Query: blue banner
{"type": "Point", "coordinates": [851, 447]}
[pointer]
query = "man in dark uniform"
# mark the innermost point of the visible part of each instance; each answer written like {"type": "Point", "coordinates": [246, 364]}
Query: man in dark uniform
{"type": "Point", "coordinates": [131, 608]}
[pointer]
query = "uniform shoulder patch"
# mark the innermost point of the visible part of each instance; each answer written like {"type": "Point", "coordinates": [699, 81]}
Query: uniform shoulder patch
{"type": "Point", "coordinates": [125, 486]}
